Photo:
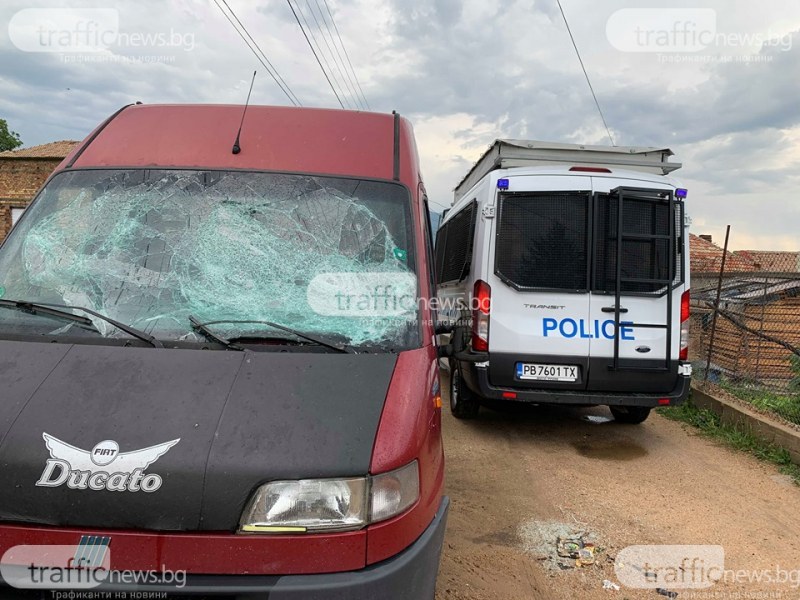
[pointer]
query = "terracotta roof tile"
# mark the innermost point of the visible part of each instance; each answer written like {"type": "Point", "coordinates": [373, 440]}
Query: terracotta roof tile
{"type": "Point", "coordinates": [706, 257]}
{"type": "Point", "coordinates": [58, 149]}
{"type": "Point", "coordinates": [773, 261]}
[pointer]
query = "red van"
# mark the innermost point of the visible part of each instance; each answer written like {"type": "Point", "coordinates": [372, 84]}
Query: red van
{"type": "Point", "coordinates": [218, 364]}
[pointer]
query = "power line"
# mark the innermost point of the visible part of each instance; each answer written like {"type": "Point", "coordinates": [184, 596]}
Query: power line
{"type": "Point", "coordinates": [319, 47]}
{"type": "Point", "coordinates": [580, 60]}
{"type": "Point", "coordinates": [267, 65]}
{"type": "Point", "coordinates": [347, 56]}
{"type": "Point", "coordinates": [351, 86]}
{"type": "Point", "coordinates": [439, 204]}
{"type": "Point", "coordinates": [296, 18]}
{"type": "Point", "coordinates": [286, 85]}
{"type": "Point", "coordinates": [344, 75]}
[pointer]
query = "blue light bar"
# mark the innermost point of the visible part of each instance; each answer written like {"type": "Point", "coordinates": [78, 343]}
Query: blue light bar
{"type": "Point", "coordinates": [680, 193]}
{"type": "Point", "coordinates": [502, 184]}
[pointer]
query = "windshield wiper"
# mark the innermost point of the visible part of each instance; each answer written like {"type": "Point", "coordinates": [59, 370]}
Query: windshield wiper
{"type": "Point", "coordinates": [202, 328]}
{"type": "Point", "coordinates": [45, 308]}
{"type": "Point", "coordinates": [211, 336]}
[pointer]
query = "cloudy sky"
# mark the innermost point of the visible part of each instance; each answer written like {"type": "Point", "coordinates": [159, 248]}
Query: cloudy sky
{"type": "Point", "coordinates": [719, 85]}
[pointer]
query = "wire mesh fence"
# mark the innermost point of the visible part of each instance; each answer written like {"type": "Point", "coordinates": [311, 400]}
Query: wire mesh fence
{"type": "Point", "coordinates": [749, 343]}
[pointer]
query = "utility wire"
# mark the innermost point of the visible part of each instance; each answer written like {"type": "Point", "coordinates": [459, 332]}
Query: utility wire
{"type": "Point", "coordinates": [273, 72]}
{"type": "Point", "coordinates": [321, 52]}
{"type": "Point", "coordinates": [296, 18]}
{"type": "Point", "coordinates": [282, 81]}
{"type": "Point", "coordinates": [343, 75]}
{"type": "Point", "coordinates": [439, 204]}
{"type": "Point", "coordinates": [580, 60]}
{"type": "Point", "coordinates": [347, 56]}
{"type": "Point", "coordinates": [351, 87]}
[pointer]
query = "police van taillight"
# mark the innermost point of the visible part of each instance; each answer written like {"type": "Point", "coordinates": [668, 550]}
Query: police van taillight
{"type": "Point", "coordinates": [481, 306]}
{"type": "Point", "coordinates": [685, 312]}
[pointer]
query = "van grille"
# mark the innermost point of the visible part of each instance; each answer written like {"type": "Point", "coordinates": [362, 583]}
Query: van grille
{"type": "Point", "coordinates": [542, 240]}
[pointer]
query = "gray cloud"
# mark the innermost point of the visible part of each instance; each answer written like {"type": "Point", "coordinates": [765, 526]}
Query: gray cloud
{"type": "Point", "coordinates": [470, 71]}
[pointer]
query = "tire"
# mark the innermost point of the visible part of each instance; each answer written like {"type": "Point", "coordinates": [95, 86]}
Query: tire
{"type": "Point", "coordinates": [630, 414]}
{"type": "Point", "coordinates": [463, 403]}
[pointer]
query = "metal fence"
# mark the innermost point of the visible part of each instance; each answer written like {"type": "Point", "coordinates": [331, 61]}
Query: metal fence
{"type": "Point", "coordinates": [745, 324]}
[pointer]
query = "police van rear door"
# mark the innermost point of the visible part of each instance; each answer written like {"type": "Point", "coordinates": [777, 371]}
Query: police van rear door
{"type": "Point", "coordinates": [641, 291]}
{"type": "Point", "coordinates": [539, 332]}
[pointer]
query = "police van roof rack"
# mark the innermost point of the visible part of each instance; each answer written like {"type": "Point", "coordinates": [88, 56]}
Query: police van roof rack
{"type": "Point", "coordinates": [620, 194]}
{"type": "Point", "coordinates": [508, 153]}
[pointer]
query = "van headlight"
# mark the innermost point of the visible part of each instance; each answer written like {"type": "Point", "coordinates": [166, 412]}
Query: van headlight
{"type": "Point", "coordinates": [331, 504]}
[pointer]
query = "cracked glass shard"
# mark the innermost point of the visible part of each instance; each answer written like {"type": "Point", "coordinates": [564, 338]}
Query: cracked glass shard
{"type": "Point", "coordinates": [150, 247]}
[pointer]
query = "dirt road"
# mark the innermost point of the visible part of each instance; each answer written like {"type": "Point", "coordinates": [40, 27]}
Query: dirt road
{"type": "Point", "coordinates": [518, 478]}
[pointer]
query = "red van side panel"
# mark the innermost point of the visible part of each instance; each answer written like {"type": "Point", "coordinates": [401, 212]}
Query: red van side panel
{"type": "Point", "coordinates": [208, 553]}
{"type": "Point", "coordinates": [410, 427]}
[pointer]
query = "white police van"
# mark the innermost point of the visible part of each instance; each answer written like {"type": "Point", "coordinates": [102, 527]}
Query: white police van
{"type": "Point", "coordinates": [563, 277]}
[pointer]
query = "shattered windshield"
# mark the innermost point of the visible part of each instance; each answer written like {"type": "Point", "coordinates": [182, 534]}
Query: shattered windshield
{"type": "Point", "coordinates": [149, 248]}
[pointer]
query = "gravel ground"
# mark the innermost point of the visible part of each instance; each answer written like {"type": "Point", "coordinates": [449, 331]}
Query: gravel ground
{"type": "Point", "coordinates": [522, 476]}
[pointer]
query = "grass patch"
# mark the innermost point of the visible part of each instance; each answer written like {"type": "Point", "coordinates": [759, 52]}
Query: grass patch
{"type": "Point", "coordinates": [783, 405]}
{"type": "Point", "coordinates": [710, 425]}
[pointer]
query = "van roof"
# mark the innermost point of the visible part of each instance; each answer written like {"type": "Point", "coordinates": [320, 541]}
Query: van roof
{"type": "Point", "coordinates": [615, 173]}
{"type": "Point", "coordinates": [273, 138]}
{"type": "Point", "coordinates": [506, 153]}
{"type": "Point", "coordinates": [640, 177]}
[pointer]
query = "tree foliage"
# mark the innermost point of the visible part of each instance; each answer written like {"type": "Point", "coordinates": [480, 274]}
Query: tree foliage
{"type": "Point", "coordinates": [8, 139]}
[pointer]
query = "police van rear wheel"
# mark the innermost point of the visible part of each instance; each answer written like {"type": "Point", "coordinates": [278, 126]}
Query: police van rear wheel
{"type": "Point", "coordinates": [463, 403]}
{"type": "Point", "coordinates": [630, 414]}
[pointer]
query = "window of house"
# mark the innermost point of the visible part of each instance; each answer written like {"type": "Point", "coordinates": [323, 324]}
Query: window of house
{"type": "Point", "coordinates": [16, 213]}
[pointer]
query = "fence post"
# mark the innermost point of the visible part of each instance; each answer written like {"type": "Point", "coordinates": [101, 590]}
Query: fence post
{"type": "Point", "coordinates": [716, 303]}
{"type": "Point", "coordinates": [756, 377]}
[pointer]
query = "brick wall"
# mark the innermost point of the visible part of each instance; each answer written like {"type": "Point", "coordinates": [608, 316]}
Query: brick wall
{"type": "Point", "coordinates": [20, 179]}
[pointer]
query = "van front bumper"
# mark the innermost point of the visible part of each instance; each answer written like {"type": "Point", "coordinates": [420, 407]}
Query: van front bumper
{"type": "Point", "coordinates": [409, 574]}
{"type": "Point", "coordinates": [477, 379]}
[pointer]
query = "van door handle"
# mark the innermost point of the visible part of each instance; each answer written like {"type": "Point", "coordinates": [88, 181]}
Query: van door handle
{"type": "Point", "coordinates": [610, 309]}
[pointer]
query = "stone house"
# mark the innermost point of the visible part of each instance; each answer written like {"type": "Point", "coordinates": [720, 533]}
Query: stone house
{"type": "Point", "coordinates": [22, 173]}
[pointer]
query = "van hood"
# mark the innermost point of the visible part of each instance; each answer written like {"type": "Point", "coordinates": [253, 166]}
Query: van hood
{"type": "Point", "coordinates": [175, 439]}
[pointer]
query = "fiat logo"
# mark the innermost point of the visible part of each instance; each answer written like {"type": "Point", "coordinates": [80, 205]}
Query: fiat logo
{"type": "Point", "coordinates": [105, 452]}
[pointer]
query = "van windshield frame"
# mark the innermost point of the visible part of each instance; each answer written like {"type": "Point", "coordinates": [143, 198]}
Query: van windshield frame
{"type": "Point", "coordinates": [150, 246]}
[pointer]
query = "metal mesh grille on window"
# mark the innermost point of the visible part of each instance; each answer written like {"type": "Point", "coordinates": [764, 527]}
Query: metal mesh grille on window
{"type": "Point", "coordinates": [441, 242]}
{"type": "Point", "coordinates": [455, 255]}
{"type": "Point", "coordinates": [541, 240]}
{"type": "Point", "coordinates": [642, 258]}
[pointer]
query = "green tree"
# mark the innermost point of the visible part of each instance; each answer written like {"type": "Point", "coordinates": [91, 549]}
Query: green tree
{"type": "Point", "coordinates": [8, 139]}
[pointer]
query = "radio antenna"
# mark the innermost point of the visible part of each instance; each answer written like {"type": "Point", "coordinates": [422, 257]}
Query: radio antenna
{"type": "Point", "coordinates": [236, 148]}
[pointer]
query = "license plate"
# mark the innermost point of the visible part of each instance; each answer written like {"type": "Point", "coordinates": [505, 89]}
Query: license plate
{"type": "Point", "coordinates": [537, 372]}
